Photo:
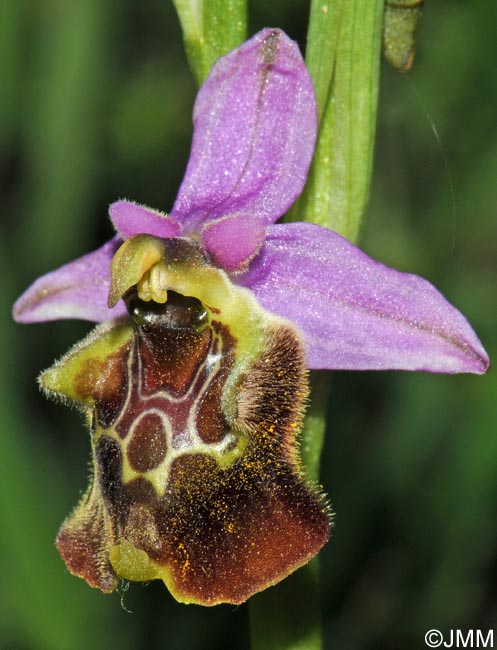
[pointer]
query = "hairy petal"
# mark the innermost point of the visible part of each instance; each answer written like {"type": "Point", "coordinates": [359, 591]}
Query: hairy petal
{"type": "Point", "coordinates": [76, 290]}
{"type": "Point", "coordinates": [356, 313]}
{"type": "Point", "coordinates": [255, 128]}
{"type": "Point", "coordinates": [131, 218]}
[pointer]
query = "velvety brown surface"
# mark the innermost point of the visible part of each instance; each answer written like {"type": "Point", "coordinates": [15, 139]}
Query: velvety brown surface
{"type": "Point", "coordinates": [225, 531]}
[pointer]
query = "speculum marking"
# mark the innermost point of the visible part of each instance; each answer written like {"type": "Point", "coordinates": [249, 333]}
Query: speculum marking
{"type": "Point", "coordinates": [148, 445]}
{"type": "Point", "coordinates": [175, 379]}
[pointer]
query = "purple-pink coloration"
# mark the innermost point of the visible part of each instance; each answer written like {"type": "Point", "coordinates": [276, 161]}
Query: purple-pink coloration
{"type": "Point", "coordinates": [232, 242]}
{"type": "Point", "coordinates": [255, 128]}
{"type": "Point", "coordinates": [79, 289]}
{"type": "Point", "coordinates": [376, 318]}
{"type": "Point", "coordinates": [129, 218]}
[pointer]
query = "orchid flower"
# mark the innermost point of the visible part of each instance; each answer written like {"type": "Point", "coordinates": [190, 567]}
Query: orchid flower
{"type": "Point", "coordinates": [195, 381]}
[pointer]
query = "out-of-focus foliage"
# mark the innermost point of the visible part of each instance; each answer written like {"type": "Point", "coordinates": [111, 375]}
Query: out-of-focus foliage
{"type": "Point", "coordinates": [95, 105]}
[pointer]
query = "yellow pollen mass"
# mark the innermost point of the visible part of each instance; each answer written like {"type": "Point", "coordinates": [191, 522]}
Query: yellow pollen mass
{"type": "Point", "coordinates": [186, 559]}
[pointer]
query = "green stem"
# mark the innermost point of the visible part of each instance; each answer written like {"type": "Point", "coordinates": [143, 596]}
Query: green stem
{"type": "Point", "coordinates": [343, 56]}
{"type": "Point", "coordinates": [288, 616]}
{"type": "Point", "coordinates": [346, 37]}
{"type": "Point", "coordinates": [211, 28]}
{"type": "Point", "coordinates": [312, 438]}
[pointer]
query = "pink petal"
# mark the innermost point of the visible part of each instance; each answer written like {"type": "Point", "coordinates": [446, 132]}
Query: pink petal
{"type": "Point", "coordinates": [233, 241]}
{"type": "Point", "coordinates": [76, 290]}
{"type": "Point", "coordinates": [356, 313]}
{"type": "Point", "coordinates": [133, 219]}
{"type": "Point", "coordinates": [255, 128]}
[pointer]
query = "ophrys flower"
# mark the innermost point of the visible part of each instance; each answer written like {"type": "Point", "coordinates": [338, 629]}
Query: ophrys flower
{"type": "Point", "coordinates": [195, 383]}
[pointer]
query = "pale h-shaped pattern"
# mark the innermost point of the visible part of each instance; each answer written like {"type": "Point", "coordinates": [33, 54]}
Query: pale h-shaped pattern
{"type": "Point", "coordinates": [156, 427]}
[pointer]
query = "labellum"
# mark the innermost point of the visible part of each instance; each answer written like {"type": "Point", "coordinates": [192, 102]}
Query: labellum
{"type": "Point", "coordinates": [195, 402]}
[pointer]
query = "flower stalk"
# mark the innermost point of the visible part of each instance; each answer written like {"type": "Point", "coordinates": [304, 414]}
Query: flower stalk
{"type": "Point", "coordinates": [210, 29]}
{"type": "Point", "coordinates": [289, 614]}
{"type": "Point", "coordinates": [343, 58]}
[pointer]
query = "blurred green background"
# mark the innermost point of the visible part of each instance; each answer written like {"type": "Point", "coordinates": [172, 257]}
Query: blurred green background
{"type": "Point", "coordinates": [95, 104]}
